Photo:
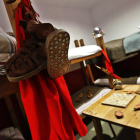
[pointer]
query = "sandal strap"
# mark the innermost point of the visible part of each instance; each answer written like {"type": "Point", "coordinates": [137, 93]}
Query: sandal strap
{"type": "Point", "coordinates": [10, 61]}
{"type": "Point", "coordinates": [25, 50]}
{"type": "Point", "coordinates": [40, 30]}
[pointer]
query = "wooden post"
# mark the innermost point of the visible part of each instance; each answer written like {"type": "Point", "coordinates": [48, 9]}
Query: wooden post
{"type": "Point", "coordinates": [82, 66]}
{"type": "Point", "coordinates": [100, 42]}
{"type": "Point", "coordinates": [88, 65]}
{"type": "Point", "coordinates": [12, 112]}
{"type": "Point", "coordinates": [21, 105]}
{"type": "Point", "coordinates": [11, 10]}
{"type": "Point", "coordinates": [90, 73]}
{"type": "Point", "coordinates": [98, 128]}
{"type": "Point", "coordinates": [82, 42]}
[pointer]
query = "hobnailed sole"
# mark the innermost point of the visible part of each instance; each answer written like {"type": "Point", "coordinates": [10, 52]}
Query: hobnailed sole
{"type": "Point", "coordinates": [57, 45]}
{"type": "Point", "coordinates": [28, 75]}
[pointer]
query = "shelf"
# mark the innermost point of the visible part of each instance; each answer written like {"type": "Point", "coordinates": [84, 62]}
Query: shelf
{"type": "Point", "coordinates": [85, 58]}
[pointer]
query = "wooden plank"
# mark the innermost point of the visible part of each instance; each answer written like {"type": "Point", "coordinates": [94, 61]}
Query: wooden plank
{"type": "Point", "coordinates": [6, 87]}
{"type": "Point", "coordinates": [100, 42]}
{"type": "Point", "coordinates": [21, 105]}
{"type": "Point", "coordinates": [25, 127]}
{"type": "Point", "coordinates": [105, 112]}
{"type": "Point", "coordinates": [85, 58]}
{"type": "Point", "coordinates": [82, 116]}
{"type": "Point", "coordinates": [11, 9]}
{"type": "Point", "coordinates": [12, 112]}
{"type": "Point", "coordinates": [82, 42]}
{"type": "Point", "coordinates": [76, 43]}
{"type": "Point", "coordinates": [90, 73]}
{"type": "Point", "coordinates": [83, 66]}
{"type": "Point", "coordinates": [98, 128]}
{"type": "Point", "coordinates": [88, 66]}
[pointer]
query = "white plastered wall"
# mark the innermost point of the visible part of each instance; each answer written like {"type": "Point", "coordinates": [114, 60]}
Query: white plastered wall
{"type": "Point", "coordinates": [118, 18]}
{"type": "Point", "coordinates": [4, 20]}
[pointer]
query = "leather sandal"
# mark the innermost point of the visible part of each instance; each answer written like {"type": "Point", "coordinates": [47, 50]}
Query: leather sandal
{"type": "Point", "coordinates": [56, 43]}
{"type": "Point", "coordinates": [89, 93]}
{"type": "Point", "coordinates": [30, 60]}
{"type": "Point", "coordinates": [79, 98]}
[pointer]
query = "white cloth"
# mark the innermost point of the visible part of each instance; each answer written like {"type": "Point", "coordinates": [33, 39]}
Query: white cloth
{"type": "Point", "coordinates": [93, 100]}
{"type": "Point", "coordinates": [11, 133]}
{"type": "Point", "coordinates": [84, 51]}
{"type": "Point", "coordinates": [4, 57]}
{"type": "Point", "coordinates": [138, 81]}
{"type": "Point", "coordinates": [103, 81]}
{"type": "Point", "coordinates": [8, 47]}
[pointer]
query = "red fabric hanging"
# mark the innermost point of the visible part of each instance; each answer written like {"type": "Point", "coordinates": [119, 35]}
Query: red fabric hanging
{"type": "Point", "coordinates": [49, 109]}
{"type": "Point", "coordinates": [109, 66]}
{"type": "Point", "coordinates": [47, 101]}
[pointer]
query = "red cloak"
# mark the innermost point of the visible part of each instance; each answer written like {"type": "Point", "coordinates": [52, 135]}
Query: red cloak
{"type": "Point", "coordinates": [47, 102]}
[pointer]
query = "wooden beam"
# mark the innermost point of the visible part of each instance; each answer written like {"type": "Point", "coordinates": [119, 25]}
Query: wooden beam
{"type": "Point", "coordinates": [82, 42]}
{"type": "Point", "coordinates": [76, 43]}
{"type": "Point", "coordinates": [7, 88]}
{"type": "Point", "coordinates": [17, 94]}
{"type": "Point", "coordinates": [100, 42]}
{"type": "Point", "coordinates": [11, 10]}
{"type": "Point", "coordinates": [85, 58]}
{"type": "Point", "coordinates": [90, 73]}
{"type": "Point", "coordinates": [82, 64]}
{"type": "Point", "coordinates": [82, 116]}
{"type": "Point", "coordinates": [98, 128]}
{"type": "Point", "coordinates": [12, 112]}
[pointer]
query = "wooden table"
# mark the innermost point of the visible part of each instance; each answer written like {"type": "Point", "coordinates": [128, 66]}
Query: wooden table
{"type": "Point", "coordinates": [107, 113]}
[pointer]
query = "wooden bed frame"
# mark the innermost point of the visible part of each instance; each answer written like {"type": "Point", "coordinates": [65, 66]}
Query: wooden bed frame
{"type": "Point", "coordinates": [11, 9]}
{"type": "Point", "coordinates": [5, 93]}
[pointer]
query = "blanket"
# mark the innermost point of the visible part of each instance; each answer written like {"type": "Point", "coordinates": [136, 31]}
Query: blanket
{"type": "Point", "coordinates": [8, 46]}
{"type": "Point", "coordinates": [132, 43]}
{"type": "Point", "coordinates": [115, 51]}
